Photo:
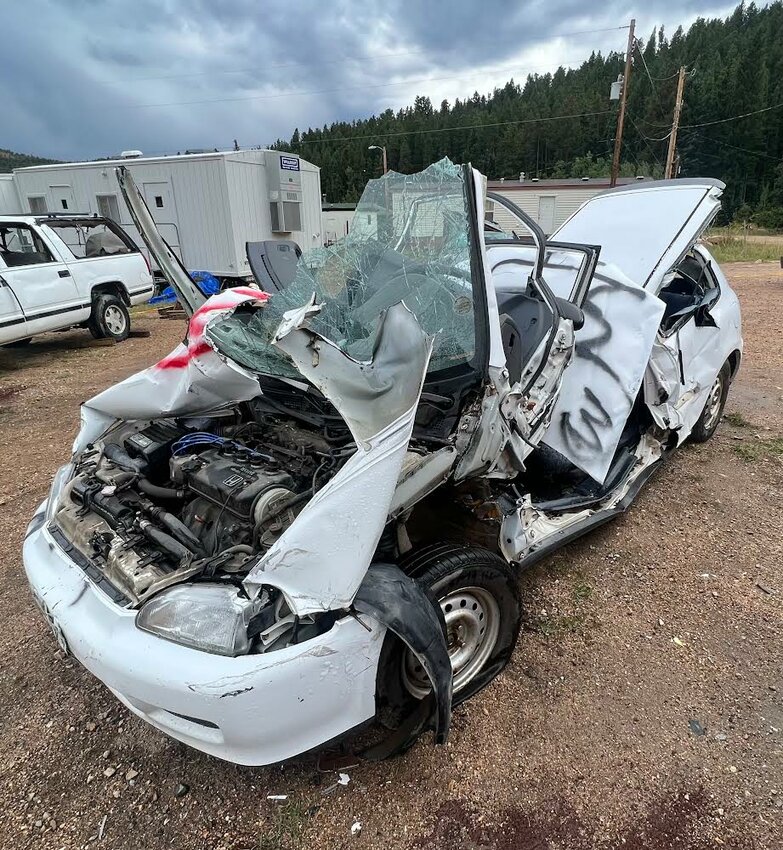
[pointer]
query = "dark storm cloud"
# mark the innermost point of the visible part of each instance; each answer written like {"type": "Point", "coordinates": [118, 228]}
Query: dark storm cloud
{"type": "Point", "coordinates": [83, 79]}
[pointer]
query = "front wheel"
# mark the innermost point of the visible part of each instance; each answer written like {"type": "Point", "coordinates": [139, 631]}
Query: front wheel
{"type": "Point", "coordinates": [476, 592]}
{"type": "Point", "coordinates": [707, 423]}
{"type": "Point", "coordinates": [110, 318]}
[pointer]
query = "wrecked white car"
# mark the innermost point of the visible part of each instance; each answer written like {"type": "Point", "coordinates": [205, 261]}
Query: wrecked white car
{"type": "Point", "coordinates": [312, 513]}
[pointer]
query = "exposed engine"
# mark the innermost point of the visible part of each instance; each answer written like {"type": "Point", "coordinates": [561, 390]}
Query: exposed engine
{"type": "Point", "coordinates": [194, 497]}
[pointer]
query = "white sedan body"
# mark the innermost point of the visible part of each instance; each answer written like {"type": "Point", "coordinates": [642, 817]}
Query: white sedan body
{"type": "Point", "coordinates": [259, 708]}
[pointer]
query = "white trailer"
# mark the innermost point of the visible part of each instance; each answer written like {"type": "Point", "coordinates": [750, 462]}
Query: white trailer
{"type": "Point", "coordinates": [206, 205]}
{"type": "Point", "coordinates": [9, 198]}
{"type": "Point", "coordinates": [548, 202]}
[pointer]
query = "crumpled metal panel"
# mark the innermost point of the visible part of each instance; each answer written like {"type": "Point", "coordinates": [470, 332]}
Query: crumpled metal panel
{"type": "Point", "coordinates": [320, 560]}
{"type": "Point", "coordinates": [192, 379]}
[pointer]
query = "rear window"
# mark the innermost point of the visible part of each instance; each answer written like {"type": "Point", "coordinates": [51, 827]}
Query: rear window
{"type": "Point", "coordinates": [86, 239]}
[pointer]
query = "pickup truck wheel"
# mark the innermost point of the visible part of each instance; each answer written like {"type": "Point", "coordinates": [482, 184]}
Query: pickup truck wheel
{"type": "Point", "coordinates": [476, 592]}
{"type": "Point", "coordinates": [110, 318]}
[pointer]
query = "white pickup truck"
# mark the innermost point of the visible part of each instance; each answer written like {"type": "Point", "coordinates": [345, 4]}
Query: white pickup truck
{"type": "Point", "coordinates": [59, 272]}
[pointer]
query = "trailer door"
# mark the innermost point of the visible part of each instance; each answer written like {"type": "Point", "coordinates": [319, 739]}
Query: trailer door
{"type": "Point", "coordinates": [159, 196]}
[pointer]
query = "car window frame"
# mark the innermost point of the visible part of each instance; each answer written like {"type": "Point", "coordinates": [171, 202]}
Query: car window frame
{"type": "Point", "coordinates": [38, 241]}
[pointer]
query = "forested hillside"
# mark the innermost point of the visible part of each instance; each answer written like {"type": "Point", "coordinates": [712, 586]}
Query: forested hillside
{"type": "Point", "coordinates": [9, 160]}
{"type": "Point", "coordinates": [736, 68]}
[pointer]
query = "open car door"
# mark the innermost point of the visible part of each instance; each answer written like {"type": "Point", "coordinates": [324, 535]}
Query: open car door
{"type": "Point", "coordinates": [645, 229]}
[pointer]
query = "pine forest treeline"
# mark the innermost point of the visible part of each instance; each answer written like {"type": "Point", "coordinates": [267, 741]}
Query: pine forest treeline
{"type": "Point", "coordinates": [735, 67]}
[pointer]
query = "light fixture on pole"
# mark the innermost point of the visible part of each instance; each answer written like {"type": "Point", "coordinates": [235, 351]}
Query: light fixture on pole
{"type": "Point", "coordinates": [383, 149]}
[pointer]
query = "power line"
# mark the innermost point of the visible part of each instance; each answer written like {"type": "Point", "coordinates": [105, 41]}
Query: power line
{"type": "Point", "coordinates": [363, 87]}
{"type": "Point", "coordinates": [733, 117]}
{"type": "Point", "coordinates": [733, 147]}
{"type": "Point", "coordinates": [382, 135]}
{"type": "Point", "coordinates": [647, 145]}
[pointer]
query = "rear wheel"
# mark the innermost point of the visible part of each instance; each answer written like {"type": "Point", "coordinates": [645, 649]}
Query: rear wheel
{"type": "Point", "coordinates": [110, 318]}
{"type": "Point", "coordinates": [707, 423]}
{"type": "Point", "coordinates": [476, 593]}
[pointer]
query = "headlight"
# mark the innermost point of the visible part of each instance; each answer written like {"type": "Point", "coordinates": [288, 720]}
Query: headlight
{"type": "Point", "coordinates": [209, 617]}
{"type": "Point", "coordinates": [61, 478]}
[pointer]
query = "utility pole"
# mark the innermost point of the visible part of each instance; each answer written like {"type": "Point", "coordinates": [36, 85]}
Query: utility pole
{"type": "Point", "coordinates": [618, 137]}
{"type": "Point", "coordinates": [670, 156]}
{"type": "Point", "coordinates": [381, 148]}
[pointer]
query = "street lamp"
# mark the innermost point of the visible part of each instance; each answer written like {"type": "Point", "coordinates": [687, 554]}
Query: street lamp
{"type": "Point", "coordinates": [380, 148]}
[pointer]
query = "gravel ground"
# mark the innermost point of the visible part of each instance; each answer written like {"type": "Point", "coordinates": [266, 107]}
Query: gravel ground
{"type": "Point", "coordinates": [642, 707]}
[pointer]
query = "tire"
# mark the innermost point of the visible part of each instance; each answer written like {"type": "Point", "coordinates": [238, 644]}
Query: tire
{"type": "Point", "coordinates": [110, 318]}
{"type": "Point", "coordinates": [18, 343]}
{"type": "Point", "coordinates": [476, 592]}
{"type": "Point", "coordinates": [710, 417]}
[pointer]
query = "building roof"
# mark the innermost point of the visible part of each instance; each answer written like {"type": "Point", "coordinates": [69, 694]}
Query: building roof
{"type": "Point", "coordinates": [131, 160]}
{"type": "Point", "coordinates": [562, 183]}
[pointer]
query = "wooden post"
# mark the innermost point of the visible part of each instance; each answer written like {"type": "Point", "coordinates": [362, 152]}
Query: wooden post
{"type": "Point", "coordinates": [670, 155]}
{"type": "Point", "coordinates": [618, 138]}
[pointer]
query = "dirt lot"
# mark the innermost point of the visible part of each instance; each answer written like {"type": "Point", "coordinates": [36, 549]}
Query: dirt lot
{"type": "Point", "coordinates": [643, 707]}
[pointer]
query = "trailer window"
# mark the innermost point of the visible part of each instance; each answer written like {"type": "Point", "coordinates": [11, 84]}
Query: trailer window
{"type": "Point", "coordinates": [108, 207]}
{"type": "Point", "coordinates": [37, 204]}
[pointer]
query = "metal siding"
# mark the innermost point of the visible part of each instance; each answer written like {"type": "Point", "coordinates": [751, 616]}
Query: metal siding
{"type": "Point", "coordinates": [221, 202]}
{"type": "Point", "coordinates": [9, 199]}
{"type": "Point", "coordinates": [311, 206]}
{"type": "Point", "coordinates": [248, 203]}
{"type": "Point", "coordinates": [567, 201]}
{"type": "Point", "coordinates": [195, 186]}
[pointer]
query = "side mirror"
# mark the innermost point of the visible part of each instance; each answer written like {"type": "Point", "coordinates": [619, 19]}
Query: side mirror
{"type": "Point", "coordinates": [569, 310]}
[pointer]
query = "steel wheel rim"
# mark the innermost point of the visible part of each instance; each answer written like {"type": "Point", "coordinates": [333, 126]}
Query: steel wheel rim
{"type": "Point", "coordinates": [713, 404]}
{"type": "Point", "coordinates": [114, 319]}
{"type": "Point", "coordinates": [472, 617]}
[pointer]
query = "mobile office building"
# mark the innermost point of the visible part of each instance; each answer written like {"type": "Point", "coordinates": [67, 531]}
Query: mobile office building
{"type": "Point", "coordinates": [206, 205]}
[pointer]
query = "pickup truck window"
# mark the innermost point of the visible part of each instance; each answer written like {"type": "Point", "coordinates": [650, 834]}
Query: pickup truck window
{"type": "Point", "coordinates": [20, 245]}
{"type": "Point", "coordinates": [89, 237]}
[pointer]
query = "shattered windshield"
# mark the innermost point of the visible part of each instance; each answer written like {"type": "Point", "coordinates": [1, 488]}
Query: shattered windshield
{"type": "Point", "coordinates": [409, 242]}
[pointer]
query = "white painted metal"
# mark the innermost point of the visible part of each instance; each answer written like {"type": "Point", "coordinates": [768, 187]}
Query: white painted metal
{"type": "Point", "coordinates": [336, 224]}
{"type": "Point", "coordinates": [254, 709]}
{"type": "Point", "coordinates": [527, 197]}
{"type": "Point", "coordinates": [212, 203]}
{"type": "Point", "coordinates": [695, 353]}
{"type": "Point", "coordinates": [546, 212]}
{"type": "Point", "coordinates": [57, 294]}
{"type": "Point", "coordinates": [645, 229]}
{"type": "Point", "coordinates": [9, 197]}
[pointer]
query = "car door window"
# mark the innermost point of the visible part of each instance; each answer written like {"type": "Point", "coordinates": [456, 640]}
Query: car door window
{"type": "Point", "coordinates": [689, 286]}
{"type": "Point", "coordinates": [20, 245]}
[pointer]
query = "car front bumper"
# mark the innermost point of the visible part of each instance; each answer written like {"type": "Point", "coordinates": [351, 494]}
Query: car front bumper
{"type": "Point", "coordinates": [253, 710]}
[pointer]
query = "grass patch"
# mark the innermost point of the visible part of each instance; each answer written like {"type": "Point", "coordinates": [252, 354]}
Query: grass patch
{"type": "Point", "coordinates": [753, 451]}
{"type": "Point", "coordinates": [583, 592]}
{"type": "Point", "coordinates": [288, 822]}
{"type": "Point", "coordinates": [737, 420]}
{"type": "Point", "coordinates": [732, 249]}
{"type": "Point", "coordinates": [560, 625]}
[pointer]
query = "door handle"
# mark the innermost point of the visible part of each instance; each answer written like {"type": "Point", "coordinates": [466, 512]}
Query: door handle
{"type": "Point", "coordinates": [2, 282]}
{"type": "Point", "coordinates": [64, 273]}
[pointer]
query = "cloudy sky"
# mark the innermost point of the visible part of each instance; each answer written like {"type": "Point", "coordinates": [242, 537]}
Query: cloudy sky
{"type": "Point", "coordinates": [88, 78]}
